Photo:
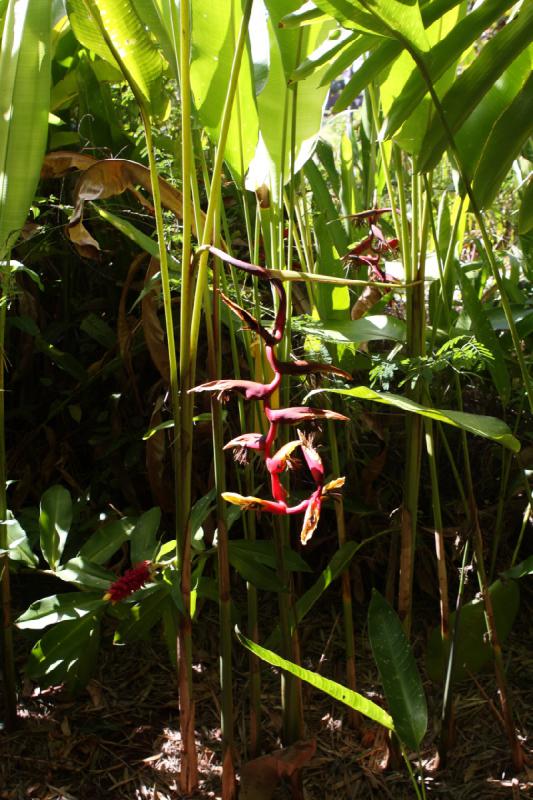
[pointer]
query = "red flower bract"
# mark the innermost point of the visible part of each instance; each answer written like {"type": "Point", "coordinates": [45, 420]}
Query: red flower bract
{"type": "Point", "coordinates": [132, 580]}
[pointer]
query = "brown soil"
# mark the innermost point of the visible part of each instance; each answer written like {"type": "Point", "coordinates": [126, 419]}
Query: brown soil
{"type": "Point", "coordinates": [120, 739]}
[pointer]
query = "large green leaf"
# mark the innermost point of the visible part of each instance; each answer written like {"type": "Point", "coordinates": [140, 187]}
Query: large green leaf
{"type": "Point", "coordinates": [472, 650]}
{"type": "Point", "coordinates": [115, 32]}
{"type": "Point", "coordinates": [336, 690]}
{"type": "Point", "coordinates": [474, 83]}
{"type": "Point", "coordinates": [480, 425]}
{"type": "Point", "coordinates": [375, 327]}
{"type": "Point", "coordinates": [24, 106]}
{"type": "Point", "coordinates": [274, 103]}
{"type": "Point", "coordinates": [215, 27]}
{"type": "Point", "coordinates": [55, 519]}
{"type": "Point", "coordinates": [59, 608]}
{"type": "Point", "coordinates": [256, 573]}
{"type": "Point", "coordinates": [400, 18]}
{"type": "Point", "coordinates": [263, 552]}
{"type": "Point", "coordinates": [105, 541]}
{"type": "Point", "coordinates": [66, 654]}
{"type": "Point", "coordinates": [143, 536]}
{"type": "Point", "coordinates": [141, 617]}
{"type": "Point", "coordinates": [412, 131]}
{"type": "Point", "coordinates": [506, 139]}
{"type": "Point", "coordinates": [399, 674]}
{"type": "Point", "coordinates": [442, 56]}
{"type": "Point", "coordinates": [18, 544]}
{"type": "Point", "coordinates": [480, 123]}
{"type": "Point", "coordinates": [85, 574]}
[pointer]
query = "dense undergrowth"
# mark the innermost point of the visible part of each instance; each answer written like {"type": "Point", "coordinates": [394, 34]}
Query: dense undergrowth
{"type": "Point", "coordinates": [349, 299]}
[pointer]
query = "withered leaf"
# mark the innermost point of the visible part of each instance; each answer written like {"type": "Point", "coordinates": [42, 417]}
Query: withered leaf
{"type": "Point", "coordinates": [260, 777]}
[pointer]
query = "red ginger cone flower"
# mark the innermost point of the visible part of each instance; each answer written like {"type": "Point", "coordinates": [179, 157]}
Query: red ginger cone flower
{"type": "Point", "coordinates": [132, 580]}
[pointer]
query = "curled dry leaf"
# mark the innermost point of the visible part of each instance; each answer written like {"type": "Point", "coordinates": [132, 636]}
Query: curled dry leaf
{"type": "Point", "coordinates": [260, 777]}
{"type": "Point", "coordinates": [102, 179]}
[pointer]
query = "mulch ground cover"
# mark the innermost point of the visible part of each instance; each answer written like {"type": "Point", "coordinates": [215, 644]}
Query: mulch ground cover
{"type": "Point", "coordinates": [119, 740]}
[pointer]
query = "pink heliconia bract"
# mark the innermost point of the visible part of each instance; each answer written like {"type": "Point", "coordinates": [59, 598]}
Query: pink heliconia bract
{"type": "Point", "coordinates": [282, 459]}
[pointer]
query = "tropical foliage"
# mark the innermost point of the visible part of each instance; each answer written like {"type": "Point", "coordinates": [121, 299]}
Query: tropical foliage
{"type": "Point", "coordinates": [273, 204]}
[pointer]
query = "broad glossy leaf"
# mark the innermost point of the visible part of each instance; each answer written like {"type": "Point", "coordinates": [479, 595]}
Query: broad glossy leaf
{"type": "Point", "coordinates": [256, 573]}
{"type": "Point", "coordinates": [375, 327]}
{"type": "Point", "coordinates": [24, 106]}
{"type": "Point", "coordinates": [519, 570]}
{"type": "Point", "coordinates": [55, 519]}
{"type": "Point", "coordinates": [472, 85]}
{"type": "Point", "coordinates": [274, 104]}
{"type": "Point", "coordinates": [472, 650]}
{"type": "Point", "coordinates": [480, 123]}
{"type": "Point", "coordinates": [336, 43]}
{"type": "Point", "coordinates": [442, 56]}
{"type": "Point", "coordinates": [263, 552]}
{"type": "Point", "coordinates": [215, 27]}
{"type": "Point", "coordinates": [141, 617]}
{"type": "Point", "coordinates": [351, 14]}
{"type": "Point", "coordinates": [18, 543]}
{"type": "Point", "coordinates": [480, 425]}
{"type": "Point", "coordinates": [398, 671]}
{"type": "Point", "coordinates": [351, 699]}
{"type": "Point", "coordinates": [412, 131]}
{"type": "Point", "coordinates": [143, 542]}
{"type": "Point", "coordinates": [307, 13]}
{"type": "Point", "coordinates": [106, 540]}
{"type": "Point", "coordinates": [66, 654]}
{"type": "Point", "coordinates": [506, 139]}
{"type": "Point", "coordinates": [140, 58]}
{"type": "Point", "coordinates": [85, 574]}
{"type": "Point", "coordinates": [59, 608]}
{"type": "Point", "coordinates": [401, 19]}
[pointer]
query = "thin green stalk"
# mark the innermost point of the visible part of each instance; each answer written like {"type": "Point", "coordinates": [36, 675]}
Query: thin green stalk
{"type": "Point", "coordinates": [401, 230]}
{"type": "Point", "coordinates": [447, 706]}
{"type": "Point", "coordinates": [439, 530]}
{"type": "Point", "coordinates": [224, 584]}
{"type": "Point", "coordinates": [10, 687]}
{"type": "Point", "coordinates": [354, 718]}
{"type": "Point", "coordinates": [502, 497]}
{"type": "Point", "coordinates": [216, 182]}
{"type": "Point", "coordinates": [525, 520]}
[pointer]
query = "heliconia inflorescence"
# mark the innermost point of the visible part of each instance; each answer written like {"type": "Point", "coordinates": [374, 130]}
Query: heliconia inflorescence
{"type": "Point", "coordinates": [277, 461]}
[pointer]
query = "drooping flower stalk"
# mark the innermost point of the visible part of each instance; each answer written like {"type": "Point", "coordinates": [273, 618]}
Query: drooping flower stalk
{"type": "Point", "coordinates": [277, 462]}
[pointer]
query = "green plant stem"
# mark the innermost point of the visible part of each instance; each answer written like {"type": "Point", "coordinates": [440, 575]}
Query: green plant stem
{"type": "Point", "coordinates": [354, 718]}
{"type": "Point", "coordinates": [216, 181]}
{"type": "Point", "coordinates": [439, 530]}
{"type": "Point", "coordinates": [414, 424]}
{"type": "Point", "coordinates": [445, 737]}
{"type": "Point", "coordinates": [8, 661]}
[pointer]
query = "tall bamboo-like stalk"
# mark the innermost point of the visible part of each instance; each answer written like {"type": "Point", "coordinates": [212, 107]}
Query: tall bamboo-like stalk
{"type": "Point", "coordinates": [6, 629]}
{"type": "Point", "coordinates": [187, 374]}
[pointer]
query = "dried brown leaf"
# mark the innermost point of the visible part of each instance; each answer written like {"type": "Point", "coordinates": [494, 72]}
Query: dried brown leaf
{"type": "Point", "coordinates": [260, 777]}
